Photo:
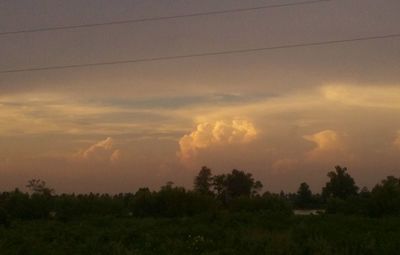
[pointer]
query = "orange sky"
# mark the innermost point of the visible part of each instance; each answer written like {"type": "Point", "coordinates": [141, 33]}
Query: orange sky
{"type": "Point", "coordinates": [286, 115]}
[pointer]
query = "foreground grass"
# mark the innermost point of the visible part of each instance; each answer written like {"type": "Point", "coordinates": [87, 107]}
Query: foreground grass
{"type": "Point", "coordinates": [240, 233]}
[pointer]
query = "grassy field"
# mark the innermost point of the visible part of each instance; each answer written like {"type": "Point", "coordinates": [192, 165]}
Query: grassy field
{"type": "Point", "coordinates": [239, 233]}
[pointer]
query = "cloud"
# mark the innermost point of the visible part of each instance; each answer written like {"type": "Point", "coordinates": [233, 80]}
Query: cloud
{"type": "Point", "coordinates": [396, 141]}
{"type": "Point", "coordinates": [327, 144]}
{"type": "Point", "coordinates": [115, 156]}
{"type": "Point", "coordinates": [329, 148]}
{"type": "Point", "coordinates": [50, 113]}
{"type": "Point", "coordinates": [102, 151]}
{"type": "Point", "coordinates": [220, 132]}
{"type": "Point", "coordinates": [325, 140]}
{"type": "Point", "coordinates": [363, 96]}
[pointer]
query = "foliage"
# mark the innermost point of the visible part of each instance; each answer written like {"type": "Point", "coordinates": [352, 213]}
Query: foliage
{"type": "Point", "coordinates": [235, 184]}
{"type": "Point", "coordinates": [224, 214]}
{"type": "Point", "coordinates": [385, 197]}
{"type": "Point", "coordinates": [220, 233]}
{"type": "Point", "coordinates": [203, 181]}
{"type": "Point", "coordinates": [267, 203]}
{"type": "Point", "coordinates": [39, 187]}
{"type": "Point", "coordinates": [341, 185]}
{"type": "Point", "coordinates": [304, 198]}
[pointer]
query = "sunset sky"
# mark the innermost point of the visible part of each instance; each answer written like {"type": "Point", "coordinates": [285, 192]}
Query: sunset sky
{"type": "Point", "coordinates": [285, 115]}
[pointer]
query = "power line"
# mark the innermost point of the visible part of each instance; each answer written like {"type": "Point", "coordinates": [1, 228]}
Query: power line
{"type": "Point", "coordinates": [203, 54]}
{"type": "Point", "coordinates": [142, 20]}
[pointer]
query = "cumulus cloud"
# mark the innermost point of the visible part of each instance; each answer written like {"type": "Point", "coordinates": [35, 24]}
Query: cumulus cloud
{"type": "Point", "coordinates": [220, 132]}
{"type": "Point", "coordinates": [102, 151]}
{"type": "Point", "coordinates": [328, 148]}
{"type": "Point", "coordinates": [327, 142]}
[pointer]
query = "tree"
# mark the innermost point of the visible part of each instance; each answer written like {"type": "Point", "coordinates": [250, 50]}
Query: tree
{"type": "Point", "coordinates": [304, 198]}
{"type": "Point", "coordinates": [168, 186]}
{"type": "Point", "coordinates": [364, 193]}
{"type": "Point", "coordinates": [143, 203]}
{"type": "Point", "coordinates": [386, 197]}
{"type": "Point", "coordinates": [341, 184]}
{"type": "Point", "coordinates": [202, 182]}
{"type": "Point", "coordinates": [4, 218]}
{"type": "Point", "coordinates": [256, 188]}
{"type": "Point", "coordinates": [218, 183]}
{"type": "Point", "coordinates": [39, 187]}
{"type": "Point", "coordinates": [236, 184]}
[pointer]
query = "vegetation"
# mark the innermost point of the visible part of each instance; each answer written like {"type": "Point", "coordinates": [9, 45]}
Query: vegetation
{"type": "Point", "coordinates": [220, 233]}
{"type": "Point", "coordinates": [341, 185]}
{"type": "Point", "coordinates": [304, 197]}
{"type": "Point", "coordinates": [223, 214]}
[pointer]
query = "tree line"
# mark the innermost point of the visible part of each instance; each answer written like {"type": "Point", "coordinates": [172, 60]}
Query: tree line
{"type": "Point", "coordinates": [231, 192]}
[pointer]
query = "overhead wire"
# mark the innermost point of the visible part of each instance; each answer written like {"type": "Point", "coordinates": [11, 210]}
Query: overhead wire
{"type": "Point", "coordinates": [159, 18]}
{"type": "Point", "coordinates": [203, 54]}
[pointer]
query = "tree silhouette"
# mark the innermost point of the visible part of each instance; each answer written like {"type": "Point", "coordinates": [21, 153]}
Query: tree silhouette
{"type": "Point", "coordinates": [39, 187]}
{"type": "Point", "coordinates": [219, 185]}
{"type": "Point", "coordinates": [236, 184]}
{"type": "Point", "coordinates": [341, 184]}
{"type": "Point", "coordinates": [256, 188]}
{"type": "Point", "coordinates": [304, 197]}
{"type": "Point", "coordinates": [234, 191]}
{"type": "Point", "coordinates": [386, 197]}
{"type": "Point", "coordinates": [203, 181]}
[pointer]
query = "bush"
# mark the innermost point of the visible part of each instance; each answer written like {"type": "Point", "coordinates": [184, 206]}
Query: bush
{"type": "Point", "coordinates": [271, 203]}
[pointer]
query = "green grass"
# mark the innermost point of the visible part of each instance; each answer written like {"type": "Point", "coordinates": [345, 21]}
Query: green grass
{"type": "Point", "coordinates": [223, 233]}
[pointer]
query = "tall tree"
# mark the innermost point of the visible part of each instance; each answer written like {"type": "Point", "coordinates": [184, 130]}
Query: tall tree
{"type": "Point", "coordinates": [341, 184]}
{"type": "Point", "coordinates": [304, 197]}
{"type": "Point", "coordinates": [203, 181]}
{"type": "Point", "coordinates": [219, 185]}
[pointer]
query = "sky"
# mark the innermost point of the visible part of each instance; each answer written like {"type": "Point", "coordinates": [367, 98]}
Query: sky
{"type": "Point", "coordinates": [286, 115]}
